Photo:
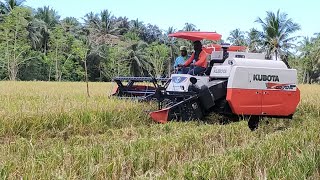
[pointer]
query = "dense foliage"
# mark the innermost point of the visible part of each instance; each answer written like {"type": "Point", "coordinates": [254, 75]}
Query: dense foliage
{"type": "Point", "coordinates": [39, 45]}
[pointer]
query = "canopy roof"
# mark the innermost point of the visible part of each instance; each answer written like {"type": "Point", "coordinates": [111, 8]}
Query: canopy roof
{"type": "Point", "coordinates": [197, 36]}
{"type": "Point", "coordinates": [218, 47]}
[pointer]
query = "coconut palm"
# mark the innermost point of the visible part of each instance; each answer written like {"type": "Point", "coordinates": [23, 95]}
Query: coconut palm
{"type": "Point", "coordinates": [236, 37]}
{"type": "Point", "coordinates": [138, 62]}
{"type": "Point", "coordinates": [189, 27]}
{"type": "Point", "coordinates": [91, 19]}
{"type": "Point", "coordinates": [72, 25]}
{"type": "Point", "coordinates": [310, 58]}
{"type": "Point", "coordinates": [101, 28]}
{"type": "Point", "coordinates": [253, 40]}
{"type": "Point", "coordinates": [8, 5]}
{"type": "Point", "coordinates": [137, 26]}
{"type": "Point", "coordinates": [305, 46]}
{"type": "Point", "coordinates": [277, 31]}
{"type": "Point", "coordinates": [123, 25]}
{"type": "Point", "coordinates": [151, 33]}
{"type": "Point", "coordinates": [51, 18]}
{"type": "Point", "coordinates": [70, 21]}
{"type": "Point", "coordinates": [48, 15]}
{"type": "Point", "coordinates": [103, 23]}
{"type": "Point", "coordinates": [36, 29]}
{"type": "Point", "coordinates": [306, 50]}
{"type": "Point", "coordinates": [171, 43]}
{"type": "Point", "coordinates": [107, 23]}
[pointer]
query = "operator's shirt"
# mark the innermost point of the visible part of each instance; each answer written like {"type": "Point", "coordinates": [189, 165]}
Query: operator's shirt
{"type": "Point", "coordinates": [202, 61]}
{"type": "Point", "coordinates": [180, 60]}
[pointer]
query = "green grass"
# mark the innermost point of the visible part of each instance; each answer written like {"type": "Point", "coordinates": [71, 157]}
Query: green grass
{"type": "Point", "coordinates": [52, 131]}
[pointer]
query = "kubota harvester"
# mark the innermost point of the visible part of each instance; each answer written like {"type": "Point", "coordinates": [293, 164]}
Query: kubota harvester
{"type": "Point", "coordinates": [235, 83]}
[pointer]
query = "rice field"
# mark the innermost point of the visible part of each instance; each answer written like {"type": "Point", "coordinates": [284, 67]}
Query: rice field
{"type": "Point", "coordinates": [53, 131]}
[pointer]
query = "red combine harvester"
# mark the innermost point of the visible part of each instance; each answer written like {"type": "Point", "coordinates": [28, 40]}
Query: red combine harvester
{"type": "Point", "coordinates": [235, 83]}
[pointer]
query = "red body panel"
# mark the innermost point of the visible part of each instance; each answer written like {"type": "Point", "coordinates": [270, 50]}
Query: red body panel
{"type": "Point", "coordinates": [263, 102]}
{"type": "Point", "coordinates": [160, 116]}
{"type": "Point", "coordinates": [278, 102]}
{"type": "Point", "coordinates": [245, 101]}
{"type": "Point", "coordinates": [115, 90]}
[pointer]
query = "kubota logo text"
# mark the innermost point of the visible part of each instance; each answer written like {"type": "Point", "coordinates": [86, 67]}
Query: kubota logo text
{"type": "Point", "coordinates": [260, 77]}
{"type": "Point", "coordinates": [220, 71]}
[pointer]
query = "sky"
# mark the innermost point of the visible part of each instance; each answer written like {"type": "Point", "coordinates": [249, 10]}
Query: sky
{"type": "Point", "coordinates": [208, 15]}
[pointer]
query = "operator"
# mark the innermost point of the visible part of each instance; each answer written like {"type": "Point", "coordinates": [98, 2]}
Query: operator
{"type": "Point", "coordinates": [197, 62]}
{"type": "Point", "coordinates": [181, 60]}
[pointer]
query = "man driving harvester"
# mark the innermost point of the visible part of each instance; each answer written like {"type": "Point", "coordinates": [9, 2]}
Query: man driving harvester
{"type": "Point", "coordinates": [197, 63]}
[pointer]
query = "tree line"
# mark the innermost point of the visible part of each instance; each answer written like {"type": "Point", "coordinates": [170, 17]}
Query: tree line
{"type": "Point", "coordinates": [37, 44]}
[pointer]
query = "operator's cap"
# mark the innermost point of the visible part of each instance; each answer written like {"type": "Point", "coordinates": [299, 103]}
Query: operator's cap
{"type": "Point", "coordinates": [183, 48]}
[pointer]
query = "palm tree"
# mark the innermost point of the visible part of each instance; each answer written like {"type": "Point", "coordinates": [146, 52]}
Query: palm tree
{"type": "Point", "coordinates": [137, 59]}
{"type": "Point", "coordinates": [277, 28]}
{"type": "Point", "coordinates": [101, 28]}
{"type": "Point", "coordinates": [51, 18]}
{"type": "Point", "coordinates": [317, 35]}
{"type": "Point", "coordinates": [104, 23]}
{"type": "Point", "coordinates": [305, 46]}
{"type": "Point", "coordinates": [36, 29]}
{"type": "Point", "coordinates": [107, 21]}
{"type": "Point", "coordinates": [310, 55]}
{"type": "Point", "coordinates": [236, 37]}
{"type": "Point", "coordinates": [123, 25]}
{"type": "Point", "coordinates": [151, 33]}
{"type": "Point", "coordinates": [136, 26]}
{"type": "Point", "coordinates": [170, 42]}
{"type": "Point", "coordinates": [72, 25]}
{"type": "Point", "coordinates": [306, 50]}
{"type": "Point", "coordinates": [189, 27]}
{"type": "Point", "coordinates": [158, 56]}
{"type": "Point", "coordinates": [253, 40]}
{"type": "Point", "coordinates": [91, 19]}
{"type": "Point", "coordinates": [70, 21]}
{"type": "Point", "coordinates": [7, 6]}
{"type": "Point", "coordinates": [35, 26]}
{"type": "Point", "coordinates": [99, 31]}
{"type": "Point", "coordinates": [48, 15]}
